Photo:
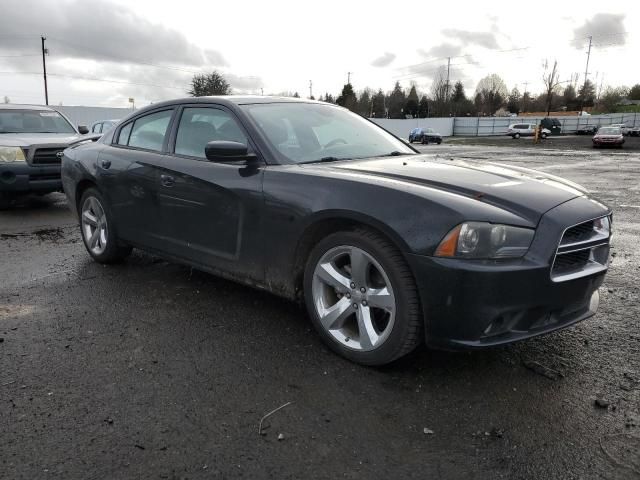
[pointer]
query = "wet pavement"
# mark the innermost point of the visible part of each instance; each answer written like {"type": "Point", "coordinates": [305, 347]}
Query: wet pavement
{"type": "Point", "coordinates": [153, 370]}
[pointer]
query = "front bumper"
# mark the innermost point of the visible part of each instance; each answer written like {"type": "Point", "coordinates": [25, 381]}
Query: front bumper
{"type": "Point", "coordinates": [20, 177]}
{"type": "Point", "coordinates": [482, 303]}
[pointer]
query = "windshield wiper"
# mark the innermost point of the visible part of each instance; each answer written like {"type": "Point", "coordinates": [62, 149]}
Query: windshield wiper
{"type": "Point", "coordinates": [324, 159]}
{"type": "Point", "coordinates": [395, 153]}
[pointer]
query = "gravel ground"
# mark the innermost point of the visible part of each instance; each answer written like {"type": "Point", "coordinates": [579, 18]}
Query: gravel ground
{"type": "Point", "coordinates": [152, 370]}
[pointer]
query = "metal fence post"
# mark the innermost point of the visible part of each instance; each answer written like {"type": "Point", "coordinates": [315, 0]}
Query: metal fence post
{"type": "Point", "coordinates": [477, 126]}
{"type": "Point", "coordinates": [493, 126]}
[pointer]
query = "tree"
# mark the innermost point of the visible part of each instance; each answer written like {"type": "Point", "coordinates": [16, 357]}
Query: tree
{"type": "Point", "coordinates": [525, 102]}
{"type": "Point", "coordinates": [378, 105]}
{"type": "Point", "coordinates": [551, 81]}
{"type": "Point", "coordinates": [634, 93]}
{"type": "Point", "coordinates": [7, 99]}
{"type": "Point", "coordinates": [209, 84]}
{"type": "Point", "coordinates": [423, 107]}
{"type": "Point", "coordinates": [611, 98]}
{"type": "Point", "coordinates": [570, 98]}
{"type": "Point", "coordinates": [513, 103]}
{"type": "Point", "coordinates": [397, 101]}
{"type": "Point", "coordinates": [458, 94]}
{"type": "Point", "coordinates": [295, 95]}
{"type": "Point", "coordinates": [439, 94]}
{"type": "Point", "coordinates": [412, 104]}
{"type": "Point", "coordinates": [364, 103]}
{"type": "Point", "coordinates": [587, 94]}
{"type": "Point", "coordinates": [493, 93]}
{"type": "Point", "coordinates": [348, 98]}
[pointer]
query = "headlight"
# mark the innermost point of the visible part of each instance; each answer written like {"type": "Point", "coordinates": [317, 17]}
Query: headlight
{"type": "Point", "coordinates": [11, 154]}
{"type": "Point", "coordinates": [485, 240]}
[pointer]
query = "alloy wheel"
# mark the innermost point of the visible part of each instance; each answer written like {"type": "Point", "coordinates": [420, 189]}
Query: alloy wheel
{"type": "Point", "coordinates": [94, 225]}
{"type": "Point", "coordinates": [354, 298]}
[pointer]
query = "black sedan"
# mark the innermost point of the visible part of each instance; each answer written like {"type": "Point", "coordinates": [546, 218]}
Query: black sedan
{"type": "Point", "coordinates": [387, 248]}
{"type": "Point", "coordinates": [424, 136]}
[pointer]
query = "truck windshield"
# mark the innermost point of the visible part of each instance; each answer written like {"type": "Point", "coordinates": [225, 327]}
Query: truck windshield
{"type": "Point", "coordinates": [33, 121]}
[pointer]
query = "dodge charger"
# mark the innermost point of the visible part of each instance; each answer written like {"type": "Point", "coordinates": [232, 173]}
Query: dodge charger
{"type": "Point", "coordinates": [386, 248]}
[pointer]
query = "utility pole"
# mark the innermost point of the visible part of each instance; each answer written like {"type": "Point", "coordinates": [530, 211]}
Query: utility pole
{"type": "Point", "coordinates": [44, 71]}
{"type": "Point", "coordinates": [310, 89]}
{"type": "Point", "coordinates": [524, 97]}
{"type": "Point", "coordinates": [447, 94]}
{"type": "Point", "coordinates": [261, 91]}
{"type": "Point", "coordinates": [349, 77]}
{"type": "Point", "coordinates": [586, 74]}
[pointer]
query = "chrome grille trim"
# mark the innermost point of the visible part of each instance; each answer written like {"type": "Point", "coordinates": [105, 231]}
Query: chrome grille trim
{"type": "Point", "coordinates": [582, 251]}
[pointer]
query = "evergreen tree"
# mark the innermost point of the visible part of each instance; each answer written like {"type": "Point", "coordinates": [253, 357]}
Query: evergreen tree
{"type": "Point", "coordinates": [378, 105]}
{"type": "Point", "coordinates": [634, 93]}
{"type": "Point", "coordinates": [458, 95]}
{"type": "Point", "coordinates": [412, 104]}
{"type": "Point", "coordinates": [513, 103]}
{"type": "Point", "coordinates": [397, 101]}
{"type": "Point", "coordinates": [348, 98]}
{"type": "Point", "coordinates": [569, 97]}
{"type": "Point", "coordinates": [423, 107]}
{"type": "Point", "coordinates": [587, 94]}
{"type": "Point", "coordinates": [364, 103]}
{"type": "Point", "coordinates": [295, 95]}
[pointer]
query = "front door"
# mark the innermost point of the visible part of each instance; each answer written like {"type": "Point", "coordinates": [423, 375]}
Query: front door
{"type": "Point", "coordinates": [211, 212]}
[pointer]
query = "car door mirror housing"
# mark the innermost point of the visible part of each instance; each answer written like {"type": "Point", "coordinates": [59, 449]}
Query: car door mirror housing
{"type": "Point", "coordinates": [226, 151]}
{"type": "Point", "coordinates": [82, 129]}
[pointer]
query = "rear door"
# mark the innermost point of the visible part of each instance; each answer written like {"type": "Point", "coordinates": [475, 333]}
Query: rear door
{"type": "Point", "coordinates": [211, 212]}
{"type": "Point", "coordinates": [129, 170]}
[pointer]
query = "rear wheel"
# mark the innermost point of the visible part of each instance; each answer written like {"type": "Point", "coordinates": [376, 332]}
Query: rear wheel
{"type": "Point", "coordinates": [362, 297]}
{"type": "Point", "coordinates": [98, 230]}
{"type": "Point", "coordinates": [516, 135]}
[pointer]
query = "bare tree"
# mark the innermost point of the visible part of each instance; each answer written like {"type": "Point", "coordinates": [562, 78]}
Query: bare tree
{"type": "Point", "coordinates": [491, 94]}
{"type": "Point", "coordinates": [439, 93]}
{"type": "Point", "coordinates": [551, 83]}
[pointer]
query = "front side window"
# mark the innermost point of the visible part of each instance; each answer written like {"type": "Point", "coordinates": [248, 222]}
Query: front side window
{"type": "Point", "coordinates": [309, 132]}
{"type": "Point", "coordinates": [123, 137]}
{"type": "Point", "coordinates": [199, 126]}
{"type": "Point", "coordinates": [96, 128]}
{"type": "Point", "coordinates": [148, 132]}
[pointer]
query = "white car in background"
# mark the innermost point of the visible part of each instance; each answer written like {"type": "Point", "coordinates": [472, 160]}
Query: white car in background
{"type": "Point", "coordinates": [517, 130]}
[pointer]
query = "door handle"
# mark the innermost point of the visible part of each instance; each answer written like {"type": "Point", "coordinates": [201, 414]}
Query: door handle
{"type": "Point", "coordinates": [105, 164]}
{"type": "Point", "coordinates": [167, 180]}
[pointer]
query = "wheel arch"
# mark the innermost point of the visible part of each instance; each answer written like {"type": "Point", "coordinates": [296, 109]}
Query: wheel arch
{"type": "Point", "coordinates": [82, 186]}
{"type": "Point", "coordinates": [328, 222]}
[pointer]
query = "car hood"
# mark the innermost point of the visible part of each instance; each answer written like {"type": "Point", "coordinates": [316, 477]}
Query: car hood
{"type": "Point", "coordinates": [524, 192]}
{"type": "Point", "coordinates": [608, 136]}
{"type": "Point", "coordinates": [28, 139]}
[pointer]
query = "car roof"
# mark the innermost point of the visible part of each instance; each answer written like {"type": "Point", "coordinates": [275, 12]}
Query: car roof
{"type": "Point", "coordinates": [14, 106]}
{"type": "Point", "coordinates": [231, 100]}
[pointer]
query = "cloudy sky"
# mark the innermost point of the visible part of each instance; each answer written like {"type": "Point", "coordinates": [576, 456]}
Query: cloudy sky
{"type": "Point", "coordinates": [104, 51]}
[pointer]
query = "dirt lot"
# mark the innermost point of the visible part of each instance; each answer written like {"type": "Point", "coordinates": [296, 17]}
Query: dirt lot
{"type": "Point", "coordinates": [152, 370]}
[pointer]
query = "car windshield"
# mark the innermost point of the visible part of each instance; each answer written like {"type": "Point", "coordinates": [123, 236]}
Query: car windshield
{"type": "Point", "coordinates": [609, 131]}
{"type": "Point", "coordinates": [311, 132]}
{"type": "Point", "coordinates": [429, 130]}
{"type": "Point", "coordinates": [33, 121]}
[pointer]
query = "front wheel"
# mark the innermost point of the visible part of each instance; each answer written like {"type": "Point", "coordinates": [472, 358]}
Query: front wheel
{"type": "Point", "coordinates": [544, 135]}
{"type": "Point", "coordinates": [362, 297]}
{"type": "Point", "coordinates": [98, 231]}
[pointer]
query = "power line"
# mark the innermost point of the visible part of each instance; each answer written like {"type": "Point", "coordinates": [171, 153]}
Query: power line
{"type": "Point", "coordinates": [95, 79]}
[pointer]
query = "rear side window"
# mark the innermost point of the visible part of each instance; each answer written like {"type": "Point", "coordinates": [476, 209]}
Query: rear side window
{"type": "Point", "coordinates": [148, 132]}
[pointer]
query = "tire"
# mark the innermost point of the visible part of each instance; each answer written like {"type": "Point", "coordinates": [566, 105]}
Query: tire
{"type": "Point", "coordinates": [439, 142]}
{"type": "Point", "coordinates": [95, 216]}
{"type": "Point", "coordinates": [425, 141]}
{"type": "Point", "coordinates": [410, 140]}
{"type": "Point", "coordinates": [393, 319]}
{"type": "Point", "coordinates": [516, 135]}
{"type": "Point", "coordinates": [544, 135]}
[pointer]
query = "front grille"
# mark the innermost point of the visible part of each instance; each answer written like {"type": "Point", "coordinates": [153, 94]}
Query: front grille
{"type": "Point", "coordinates": [583, 250]}
{"type": "Point", "coordinates": [46, 156]}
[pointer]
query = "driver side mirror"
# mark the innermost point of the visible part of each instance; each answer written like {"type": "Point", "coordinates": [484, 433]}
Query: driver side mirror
{"type": "Point", "coordinates": [226, 151]}
{"type": "Point", "coordinates": [82, 129]}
